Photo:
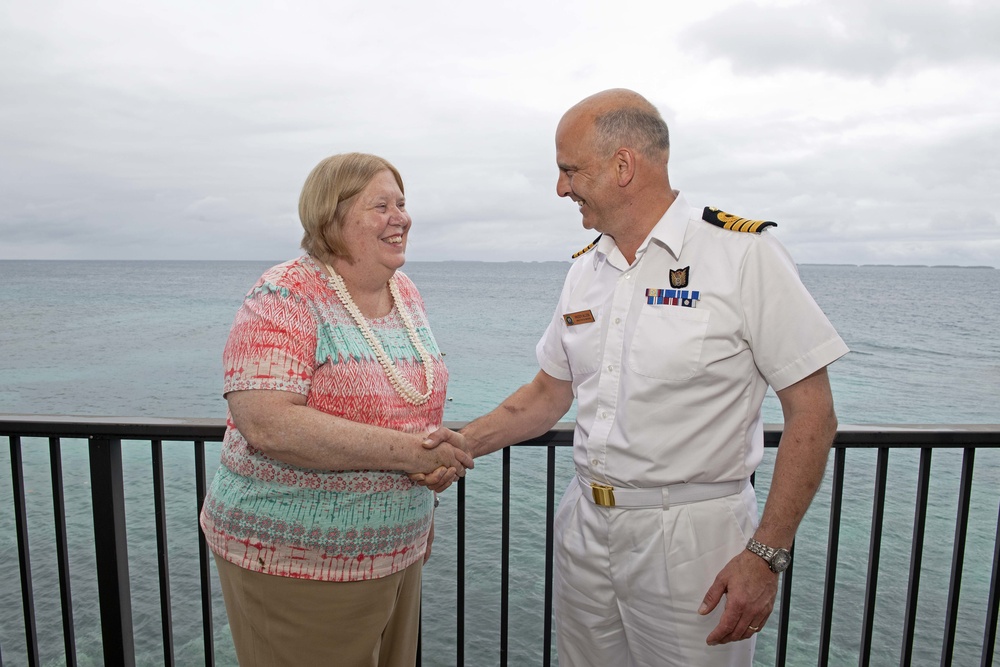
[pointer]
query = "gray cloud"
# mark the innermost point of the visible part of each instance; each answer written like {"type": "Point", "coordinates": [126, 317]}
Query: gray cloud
{"type": "Point", "coordinates": [185, 131]}
{"type": "Point", "coordinates": [868, 187]}
{"type": "Point", "coordinates": [857, 38]}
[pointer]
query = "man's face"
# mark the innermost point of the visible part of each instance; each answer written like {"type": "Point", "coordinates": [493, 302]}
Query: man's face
{"type": "Point", "coordinates": [585, 176]}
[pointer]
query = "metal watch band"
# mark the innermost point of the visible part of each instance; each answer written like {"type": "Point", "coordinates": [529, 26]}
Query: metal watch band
{"type": "Point", "coordinates": [777, 559]}
{"type": "Point", "coordinates": [760, 549]}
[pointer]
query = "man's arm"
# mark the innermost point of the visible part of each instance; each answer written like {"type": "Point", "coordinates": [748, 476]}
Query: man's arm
{"type": "Point", "coordinates": [527, 413]}
{"type": "Point", "coordinates": [747, 581]}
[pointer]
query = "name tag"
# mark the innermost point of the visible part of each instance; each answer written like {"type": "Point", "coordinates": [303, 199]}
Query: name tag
{"type": "Point", "coordinates": [579, 317]}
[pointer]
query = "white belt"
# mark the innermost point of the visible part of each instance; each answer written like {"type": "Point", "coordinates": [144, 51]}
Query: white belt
{"type": "Point", "coordinates": [658, 496]}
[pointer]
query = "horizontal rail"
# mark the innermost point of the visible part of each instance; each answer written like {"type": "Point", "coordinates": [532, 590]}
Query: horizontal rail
{"type": "Point", "coordinates": [907, 436]}
{"type": "Point", "coordinates": [135, 428]}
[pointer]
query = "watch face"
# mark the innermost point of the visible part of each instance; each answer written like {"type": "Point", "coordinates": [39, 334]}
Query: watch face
{"type": "Point", "coordinates": [780, 560]}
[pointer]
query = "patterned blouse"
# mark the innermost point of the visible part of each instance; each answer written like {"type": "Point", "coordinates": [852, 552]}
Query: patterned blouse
{"type": "Point", "coordinates": [293, 334]}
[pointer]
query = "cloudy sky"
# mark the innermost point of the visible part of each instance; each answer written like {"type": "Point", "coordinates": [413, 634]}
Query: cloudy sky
{"type": "Point", "coordinates": [868, 129]}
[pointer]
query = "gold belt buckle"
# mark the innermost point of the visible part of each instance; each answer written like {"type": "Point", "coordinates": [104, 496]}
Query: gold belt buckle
{"type": "Point", "coordinates": [604, 495]}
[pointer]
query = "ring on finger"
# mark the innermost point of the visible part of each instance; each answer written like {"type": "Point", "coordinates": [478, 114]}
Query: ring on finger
{"type": "Point", "coordinates": [754, 628]}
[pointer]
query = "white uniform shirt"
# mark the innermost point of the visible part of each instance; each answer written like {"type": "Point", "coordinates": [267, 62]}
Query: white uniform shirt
{"type": "Point", "coordinates": [668, 394]}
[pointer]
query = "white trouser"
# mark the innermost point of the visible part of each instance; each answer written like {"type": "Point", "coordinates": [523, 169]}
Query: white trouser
{"type": "Point", "coordinates": [628, 582]}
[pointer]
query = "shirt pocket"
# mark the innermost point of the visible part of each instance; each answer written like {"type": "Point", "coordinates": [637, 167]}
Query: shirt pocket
{"type": "Point", "coordinates": [667, 342]}
{"type": "Point", "coordinates": [583, 346]}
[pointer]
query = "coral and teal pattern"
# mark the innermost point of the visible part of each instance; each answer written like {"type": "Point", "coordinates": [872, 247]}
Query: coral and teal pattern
{"type": "Point", "coordinates": [293, 334]}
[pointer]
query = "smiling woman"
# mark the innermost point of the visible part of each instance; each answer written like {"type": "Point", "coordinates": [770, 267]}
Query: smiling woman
{"type": "Point", "coordinates": [333, 381]}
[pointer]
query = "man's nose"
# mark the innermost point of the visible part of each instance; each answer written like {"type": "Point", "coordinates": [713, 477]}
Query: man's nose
{"type": "Point", "coordinates": [563, 187]}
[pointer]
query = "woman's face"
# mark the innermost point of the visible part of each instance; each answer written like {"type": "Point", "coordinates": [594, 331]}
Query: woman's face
{"type": "Point", "coordinates": [376, 226]}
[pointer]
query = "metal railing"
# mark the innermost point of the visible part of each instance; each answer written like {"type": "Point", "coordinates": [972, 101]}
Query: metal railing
{"type": "Point", "coordinates": [105, 439]}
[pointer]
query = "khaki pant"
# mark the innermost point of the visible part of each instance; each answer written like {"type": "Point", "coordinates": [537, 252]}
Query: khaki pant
{"type": "Point", "coordinates": [279, 621]}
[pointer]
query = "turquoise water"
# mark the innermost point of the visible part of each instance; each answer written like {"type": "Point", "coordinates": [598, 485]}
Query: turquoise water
{"type": "Point", "coordinates": [145, 338]}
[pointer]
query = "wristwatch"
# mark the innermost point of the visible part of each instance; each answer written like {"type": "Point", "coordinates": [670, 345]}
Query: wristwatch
{"type": "Point", "coordinates": [777, 559]}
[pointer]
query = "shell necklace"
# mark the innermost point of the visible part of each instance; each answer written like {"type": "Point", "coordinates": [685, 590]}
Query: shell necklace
{"type": "Point", "coordinates": [402, 386]}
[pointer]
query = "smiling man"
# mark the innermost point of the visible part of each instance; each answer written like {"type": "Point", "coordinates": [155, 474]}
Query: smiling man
{"type": "Point", "coordinates": [668, 332]}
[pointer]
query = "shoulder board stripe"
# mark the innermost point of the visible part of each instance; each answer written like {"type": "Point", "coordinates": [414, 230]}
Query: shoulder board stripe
{"type": "Point", "coordinates": [588, 248]}
{"type": "Point", "coordinates": [735, 223]}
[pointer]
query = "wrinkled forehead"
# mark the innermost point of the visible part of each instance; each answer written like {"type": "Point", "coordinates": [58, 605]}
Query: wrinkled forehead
{"type": "Point", "coordinates": [574, 129]}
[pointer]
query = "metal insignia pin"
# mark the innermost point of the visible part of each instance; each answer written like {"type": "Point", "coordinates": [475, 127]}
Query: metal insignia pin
{"type": "Point", "coordinates": [679, 278]}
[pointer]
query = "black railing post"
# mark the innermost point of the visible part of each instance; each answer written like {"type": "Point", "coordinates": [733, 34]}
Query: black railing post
{"type": "Point", "coordinates": [874, 556]}
{"type": "Point", "coordinates": [958, 555]}
{"type": "Point", "coordinates": [204, 566]}
{"type": "Point", "coordinates": [62, 550]}
{"type": "Point", "coordinates": [110, 544]}
{"type": "Point", "coordinates": [916, 557]}
{"type": "Point", "coordinates": [160, 511]}
{"type": "Point", "coordinates": [832, 549]}
{"type": "Point", "coordinates": [460, 568]}
{"type": "Point", "coordinates": [504, 556]}
{"type": "Point", "coordinates": [550, 495]}
{"type": "Point", "coordinates": [21, 521]}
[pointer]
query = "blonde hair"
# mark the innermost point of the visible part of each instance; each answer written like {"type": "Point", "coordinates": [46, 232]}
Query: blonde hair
{"type": "Point", "coordinates": [328, 194]}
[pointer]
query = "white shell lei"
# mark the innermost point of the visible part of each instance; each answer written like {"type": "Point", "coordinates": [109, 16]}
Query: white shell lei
{"type": "Point", "coordinates": [402, 386]}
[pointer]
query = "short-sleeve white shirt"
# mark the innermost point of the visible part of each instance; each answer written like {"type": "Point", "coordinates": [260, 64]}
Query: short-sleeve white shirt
{"type": "Point", "coordinates": [669, 388]}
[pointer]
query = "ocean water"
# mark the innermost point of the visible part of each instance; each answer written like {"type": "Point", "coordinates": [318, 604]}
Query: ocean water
{"type": "Point", "coordinates": [145, 339]}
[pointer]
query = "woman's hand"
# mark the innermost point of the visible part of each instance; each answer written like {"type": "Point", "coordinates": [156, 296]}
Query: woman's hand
{"type": "Point", "coordinates": [441, 478]}
{"type": "Point", "coordinates": [438, 480]}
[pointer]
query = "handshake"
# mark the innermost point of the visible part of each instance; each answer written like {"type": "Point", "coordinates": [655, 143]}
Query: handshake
{"type": "Point", "coordinates": [444, 457]}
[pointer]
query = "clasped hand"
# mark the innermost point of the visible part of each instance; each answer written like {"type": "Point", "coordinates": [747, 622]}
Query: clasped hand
{"type": "Point", "coordinates": [448, 456]}
{"type": "Point", "coordinates": [451, 452]}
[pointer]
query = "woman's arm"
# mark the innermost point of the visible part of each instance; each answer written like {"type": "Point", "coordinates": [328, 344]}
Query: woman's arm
{"type": "Point", "coordinates": [280, 424]}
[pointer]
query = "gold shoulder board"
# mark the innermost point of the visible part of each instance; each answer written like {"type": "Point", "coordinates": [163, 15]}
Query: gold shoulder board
{"type": "Point", "coordinates": [588, 248]}
{"type": "Point", "coordinates": [735, 223]}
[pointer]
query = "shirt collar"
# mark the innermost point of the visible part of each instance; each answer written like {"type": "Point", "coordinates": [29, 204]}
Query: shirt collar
{"type": "Point", "coordinates": [605, 246]}
{"type": "Point", "coordinates": [669, 231]}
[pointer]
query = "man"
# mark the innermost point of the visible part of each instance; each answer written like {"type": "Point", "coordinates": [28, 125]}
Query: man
{"type": "Point", "coordinates": [668, 332]}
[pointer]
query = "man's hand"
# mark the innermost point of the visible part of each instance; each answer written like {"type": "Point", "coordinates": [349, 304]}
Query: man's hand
{"type": "Point", "coordinates": [750, 588]}
{"type": "Point", "coordinates": [527, 413]}
{"type": "Point", "coordinates": [442, 477]}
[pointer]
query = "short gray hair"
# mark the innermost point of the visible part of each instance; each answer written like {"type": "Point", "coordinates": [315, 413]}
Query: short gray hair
{"type": "Point", "coordinates": [635, 127]}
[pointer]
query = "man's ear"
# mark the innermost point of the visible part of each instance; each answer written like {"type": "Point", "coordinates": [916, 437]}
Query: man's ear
{"type": "Point", "coordinates": [625, 164]}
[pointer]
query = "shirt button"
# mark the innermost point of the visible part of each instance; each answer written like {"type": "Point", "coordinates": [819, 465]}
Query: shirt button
{"type": "Point", "coordinates": [604, 415]}
{"type": "Point", "coordinates": [595, 461]}
{"type": "Point", "coordinates": [618, 320]}
{"type": "Point", "coordinates": [611, 368]}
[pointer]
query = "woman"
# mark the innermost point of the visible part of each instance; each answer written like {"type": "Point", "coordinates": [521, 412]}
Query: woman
{"type": "Point", "coordinates": [333, 381]}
